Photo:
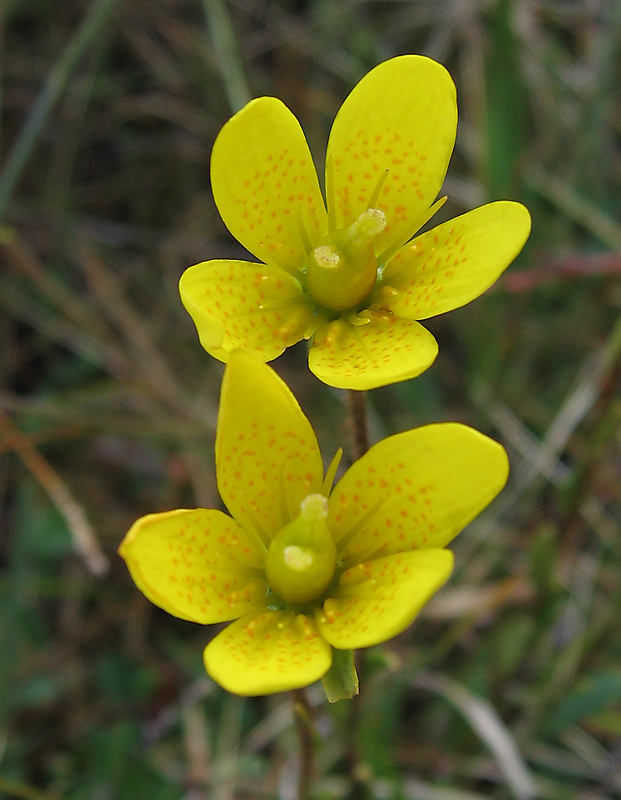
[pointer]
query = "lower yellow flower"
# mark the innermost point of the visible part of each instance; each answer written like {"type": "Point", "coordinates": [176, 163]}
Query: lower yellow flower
{"type": "Point", "coordinates": [302, 569]}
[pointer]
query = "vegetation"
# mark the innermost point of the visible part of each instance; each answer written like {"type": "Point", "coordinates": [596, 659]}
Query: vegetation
{"type": "Point", "coordinates": [509, 683]}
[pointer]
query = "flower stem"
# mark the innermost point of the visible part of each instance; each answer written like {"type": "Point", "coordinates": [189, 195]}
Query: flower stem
{"type": "Point", "coordinates": [357, 402]}
{"type": "Point", "coordinates": [304, 725]}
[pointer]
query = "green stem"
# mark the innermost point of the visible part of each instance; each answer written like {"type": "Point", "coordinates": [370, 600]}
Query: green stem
{"type": "Point", "coordinates": [226, 50]}
{"type": "Point", "coordinates": [304, 725]}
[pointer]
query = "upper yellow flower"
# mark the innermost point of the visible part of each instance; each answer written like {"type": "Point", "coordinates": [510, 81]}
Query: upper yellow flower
{"type": "Point", "coordinates": [348, 277]}
{"type": "Point", "coordinates": [299, 571]}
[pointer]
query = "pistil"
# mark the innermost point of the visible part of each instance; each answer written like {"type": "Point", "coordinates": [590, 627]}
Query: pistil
{"type": "Point", "coordinates": [342, 270]}
{"type": "Point", "coordinates": [301, 558]}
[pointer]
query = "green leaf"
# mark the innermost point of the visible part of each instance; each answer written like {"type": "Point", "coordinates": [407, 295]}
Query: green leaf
{"type": "Point", "coordinates": [341, 681]}
{"type": "Point", "coordinates": [506, 105]}
{"type": "Point", "coordinates": [593, 694]}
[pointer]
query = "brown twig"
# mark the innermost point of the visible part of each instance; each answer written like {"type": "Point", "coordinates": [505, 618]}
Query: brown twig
{"type": "Point", "coordinates": [84, 537]}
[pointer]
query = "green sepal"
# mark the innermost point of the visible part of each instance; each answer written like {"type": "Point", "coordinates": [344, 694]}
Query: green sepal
{"type": "Point", "coordinates": [341, 681]}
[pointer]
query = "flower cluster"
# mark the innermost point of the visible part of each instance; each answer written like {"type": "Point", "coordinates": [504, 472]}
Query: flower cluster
{"type": "Point", "coordinates": [304, 572]}
{"type": "Point", "coordinates": [347, 274]}
{"type": "Point", "coordinates": [303, 569]}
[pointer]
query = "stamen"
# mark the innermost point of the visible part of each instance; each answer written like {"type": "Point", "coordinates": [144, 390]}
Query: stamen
{"type": "Point", "coordinates": [422, 220]}
{"type": "Point", "coordinates": [356, 319]}
{"type": "Point", "coordinates": [283, 497]}
{"type": "Point", "coordinates": [284, 622]}
{"type": "Point", "coordinates": [330, 474]}
{"type": "Point", "coordinates": [370, 222]}
{"type": "Point", "coordinates": [314, 506]}
{"type": "Point", "coordinates": [378, 188]}
{"type": "Point", "coordinates": [365, 554]}
{"type": "Point", "coordinates": [227, 564]}
{"type": "Point", "coordinates": [330, 196]}
{"type": "Point", "coordinates": [302, 229]}
{"type": "Point", "coordinates": [257, 530]}
{"type": "Point", "coordinates": [320, 319]}
{"type": "Point", "coordinates": [348, 537]}
{"type": "Point", "coordinates": [295, 272]}
{"type": "Point", "coordinates": [271, 305]}
{"type": "Point", "coordinates": [383, 296]}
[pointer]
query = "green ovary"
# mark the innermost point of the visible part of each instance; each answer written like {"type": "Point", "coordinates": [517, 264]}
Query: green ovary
{"type": "Point", "coordinates": [301, 558]}
{"type": "Point", "coordinates": [342, 270]}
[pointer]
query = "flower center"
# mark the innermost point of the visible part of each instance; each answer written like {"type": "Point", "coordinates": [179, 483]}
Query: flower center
{"type": "Point", "coordinates": [342, 269]}
{"type": "Point", "coordinates": [301, 558]}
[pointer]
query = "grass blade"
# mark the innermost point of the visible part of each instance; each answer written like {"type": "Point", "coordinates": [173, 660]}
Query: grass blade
{"type": "Point", "coordinates": [85, 37]}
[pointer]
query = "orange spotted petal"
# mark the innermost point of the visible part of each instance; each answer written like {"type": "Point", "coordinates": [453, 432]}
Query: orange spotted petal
{"type": "Point", "coordinates": [265, 184]}
{"type": "Point", "coordinates": [415, 490]}
{"type": "Point", "coordinates": [271, 652]}
{"type": "Point", "coordinates": [241, 304]}
{"type": "Point", "coordinates": [377, 600]}
{"type": "Point", "coordinates": [267, 456]}
{"type": "Point", "coordinates": [455, 262]}
{"type": "Point", "coordinates": [196, 564]}
{"type": "Point", "coordinates": [398, 122]}
{"type": "Point", "coordinates": [384, 351]}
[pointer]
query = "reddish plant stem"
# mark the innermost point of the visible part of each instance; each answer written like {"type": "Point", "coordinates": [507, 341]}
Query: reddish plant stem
{"type": "Point", "coordinates": [357, 402]}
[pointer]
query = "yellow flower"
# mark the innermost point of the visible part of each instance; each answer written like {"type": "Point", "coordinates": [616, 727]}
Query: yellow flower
{"type": "Point", "coordinates": [299, 571]}
{"type": "Point", "coordinates": [350, 277]}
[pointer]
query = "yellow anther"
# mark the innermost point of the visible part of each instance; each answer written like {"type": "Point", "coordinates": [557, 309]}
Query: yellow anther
{"type": "Point", "coordinates": [358, 319]}
{"type": "Point", "coordinates": [385, 294]}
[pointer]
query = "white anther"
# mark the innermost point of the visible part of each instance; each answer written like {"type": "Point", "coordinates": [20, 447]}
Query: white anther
{"type": "Point", "coordinates": [314, 506]}
{"type": "Point", "coordinates": [372, 221]}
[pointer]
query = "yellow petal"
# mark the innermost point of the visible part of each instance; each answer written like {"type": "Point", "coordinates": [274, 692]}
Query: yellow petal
{"type": "Point", "coordinates": [265, 185]}
{"type": "Point", "coordinates": [452, 264]}
{"type": "Point", "coordinates": [241, 304]}
{"type": "Point", "coordinates": [267, 456]}
{"type": "Point", "coordinates": [401, 117]}
{"type": "Point", "coordinates": [272, 652]}
{"type": "Point", "coordinates": [385, 350]}
{"type": "Point", "coordinates": [415, 490]}
{"type": "Point", "coordinates": [378, 599]}
{"type": "Point", "coordinates": [196, 564]}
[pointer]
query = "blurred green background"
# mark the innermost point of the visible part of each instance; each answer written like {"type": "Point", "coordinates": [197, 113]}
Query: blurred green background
{"type": "Point", "coordinates": [509, 684]}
